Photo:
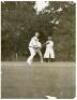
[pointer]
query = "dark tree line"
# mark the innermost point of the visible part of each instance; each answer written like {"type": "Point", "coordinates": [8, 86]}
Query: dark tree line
{"type": "Point", "coordinates": [19, 22]}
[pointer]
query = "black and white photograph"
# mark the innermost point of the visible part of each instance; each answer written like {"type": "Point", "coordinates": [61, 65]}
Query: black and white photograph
{"type": "Point", "coordinates": [38, 49]}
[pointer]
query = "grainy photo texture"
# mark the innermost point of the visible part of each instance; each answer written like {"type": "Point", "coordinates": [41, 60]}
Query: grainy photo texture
{"type": "Point", "coordinates": [38, 49]}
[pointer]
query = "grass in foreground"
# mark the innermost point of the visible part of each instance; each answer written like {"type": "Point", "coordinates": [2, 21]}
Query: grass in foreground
{"type": "Point", "coordinates": [39, 80]}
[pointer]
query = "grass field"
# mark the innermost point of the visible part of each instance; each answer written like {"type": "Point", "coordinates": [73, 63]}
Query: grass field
{"type": "Point", "coordinates": [37, 81]}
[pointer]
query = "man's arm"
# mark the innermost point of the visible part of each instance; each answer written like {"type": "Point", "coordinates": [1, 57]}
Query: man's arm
{"type": "Point", "coordinates": [45, 43]}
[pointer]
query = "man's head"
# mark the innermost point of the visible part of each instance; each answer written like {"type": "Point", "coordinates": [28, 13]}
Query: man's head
{"type": "Point", "coordinates": [37, 34]}
{"type": "Point", "coordinates": [49, 38]}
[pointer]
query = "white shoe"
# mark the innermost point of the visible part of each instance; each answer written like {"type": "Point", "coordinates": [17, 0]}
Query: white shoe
{"type": "Point", "coordinates": [29, 63]}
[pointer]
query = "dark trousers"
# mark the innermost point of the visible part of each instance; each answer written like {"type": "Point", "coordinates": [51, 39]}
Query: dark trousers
{"type": "Point", "coordinates": [49, 59]}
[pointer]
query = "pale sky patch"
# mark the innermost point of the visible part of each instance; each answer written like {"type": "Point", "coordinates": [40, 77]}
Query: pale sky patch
{"type": "Point", "coordinates": [66, 5]}
{"type": "Point", "coordinates": [3, 1]}
{"type": "Point", "coordinates": [59, 9]}
{"type": "Point", "coordinates": [57, 22]}
{"type": "Point", "coordinates": [53, 21]}
{"type": "Point", "coordinates": [40, 6]}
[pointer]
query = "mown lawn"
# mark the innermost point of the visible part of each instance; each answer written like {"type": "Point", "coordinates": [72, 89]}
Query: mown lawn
{"type": "Point", "coordinates": [18, 80]}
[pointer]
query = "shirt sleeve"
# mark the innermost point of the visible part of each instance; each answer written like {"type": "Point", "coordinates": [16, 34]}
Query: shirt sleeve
{"type": "Point", "coordinates": [47, 42]}
{"type": "Point", "coordinates": [34, 42]}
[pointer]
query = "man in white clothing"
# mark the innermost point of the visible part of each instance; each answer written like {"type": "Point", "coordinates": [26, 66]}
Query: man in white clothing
{"type": "Point", "coordinates": [49, 52]}
{"type": "Point", "coordinates": [34, 48]}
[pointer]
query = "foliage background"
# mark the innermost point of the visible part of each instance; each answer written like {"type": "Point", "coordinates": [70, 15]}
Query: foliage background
{"type": "Point", "coordinates": [19, 22]}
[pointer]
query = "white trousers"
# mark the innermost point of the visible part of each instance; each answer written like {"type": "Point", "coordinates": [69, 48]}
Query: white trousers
{"type": "Point", "coordinates": [49, 53]}
{"type": "Point", "coordinates": [33, 52]}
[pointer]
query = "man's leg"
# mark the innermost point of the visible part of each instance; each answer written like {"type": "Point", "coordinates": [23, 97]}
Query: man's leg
{"type": "Point", "coordinates": [52, 56]}
{"type": "Point", "coordinates": [46, 59]}
{"type": "Point", "coordinates": [30, 59]}
{"type": "Point", "coordinates": [52, 59]}
{"type": "Point", "coordinates": [46, 55]}
{"type": "Point", "coordinates": [40, 54]}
